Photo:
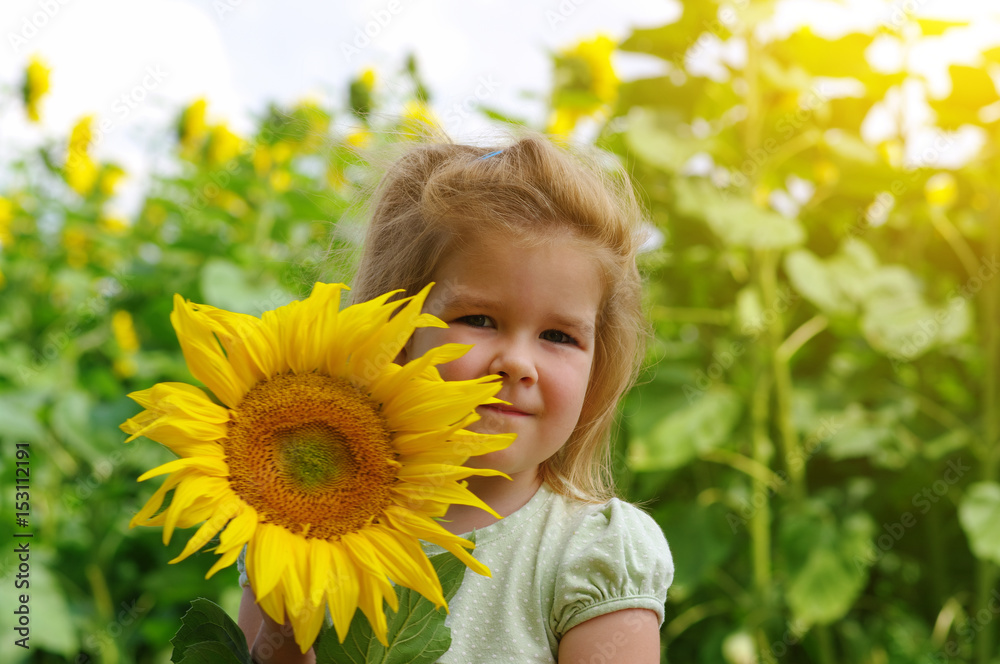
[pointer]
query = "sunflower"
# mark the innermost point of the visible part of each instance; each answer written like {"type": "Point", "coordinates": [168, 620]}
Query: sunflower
{"type": "Point", "coordinates": [327, 460]}
{"type": "Point", "coordinates": [585, 84]}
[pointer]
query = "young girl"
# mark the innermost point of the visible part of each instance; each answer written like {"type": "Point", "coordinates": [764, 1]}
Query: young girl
{"type": "Point", "coordinates": [533, 257]}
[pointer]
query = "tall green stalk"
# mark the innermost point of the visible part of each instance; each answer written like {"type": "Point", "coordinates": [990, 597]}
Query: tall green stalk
{"type": "Point", "coordinates": [987, 573]}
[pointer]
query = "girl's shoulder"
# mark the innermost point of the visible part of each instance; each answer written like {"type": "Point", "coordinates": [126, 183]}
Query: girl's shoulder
{"type": "Point", "coordinates": [615, 524]}
{"type": "Point", "coordinates": [608, 557]}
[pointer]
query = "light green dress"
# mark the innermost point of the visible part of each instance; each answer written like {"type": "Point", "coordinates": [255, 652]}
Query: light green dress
{"type": "Point", "coordinates": [556, 563]}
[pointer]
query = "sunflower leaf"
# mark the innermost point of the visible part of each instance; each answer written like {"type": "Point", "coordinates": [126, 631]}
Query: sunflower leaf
{"type": "Point", "coordinates": [417, 634]}
{"type": "Point", "coordinates": [209, 635]}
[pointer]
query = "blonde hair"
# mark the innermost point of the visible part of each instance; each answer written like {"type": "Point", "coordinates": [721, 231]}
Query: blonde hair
{"type": "Point", "coordinates": [437, 193]}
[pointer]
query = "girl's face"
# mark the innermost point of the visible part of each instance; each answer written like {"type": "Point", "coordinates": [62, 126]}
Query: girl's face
{"type": "Point", "coordinates": [531, 313]}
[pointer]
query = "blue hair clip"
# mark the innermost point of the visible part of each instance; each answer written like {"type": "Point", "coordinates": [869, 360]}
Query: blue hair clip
{"type": "Point", "coordinates": [492, 154]}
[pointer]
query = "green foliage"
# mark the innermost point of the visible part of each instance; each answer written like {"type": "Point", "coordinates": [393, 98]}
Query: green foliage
{"type": "Point", "coordinates": [823, 389]}
{"type": "Point", "coordinates": [208, 634]}
{"type": "Point", "coordinates": [416, 633]}
{"type": "Point", "coordinates": [818, 428]}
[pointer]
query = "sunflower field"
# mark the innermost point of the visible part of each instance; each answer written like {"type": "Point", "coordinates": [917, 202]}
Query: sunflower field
{"type": "Point", "coordinates": [818, 426]}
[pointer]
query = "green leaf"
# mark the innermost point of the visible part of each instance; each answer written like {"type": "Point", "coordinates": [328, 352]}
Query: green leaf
{"type": "Point", "coordinates": [225, 284]}
{"type": "Point", "coordinates": [684, 434]}
{"type": "Point", "coordinates": [417, 633]}
{"type": "Point", "coordinates": [18, 414]}
{"type": "Point", "coordinates": [844, 56]}
{"type": "Point", "coordinates": [979, 514]}
{"type": "Point", "coordinates": [652, 140]}
{"type": "Point", "coordinates": [736, 220]}
{"type": "Point", "coordinates": [820, 593]}
{"type": "Point", "coordinates": [873, 434]}
{"type": "Point", "coordinates": [682, 99]}
{"type": "Point", "coordinates": [210, 652]}
{"type": "Point", "coordinates": [945, 444]}
{"type": "Point", "coordinates": [49, 604]}
{"type": "Point", "coordinates": [209, 635]}
{"type": "Point", "coordinates": [701, 538]}
{"type": "Point", "coordinates": [671, 42]}
{"type": "Point", "coordinates": [828, 567]}
{"type": "Point", "coordinates": [899, 322]}
{"type": "Point", "coordinates": [71, 423]}
{"type": "Point", "coordinates": [810, 277]}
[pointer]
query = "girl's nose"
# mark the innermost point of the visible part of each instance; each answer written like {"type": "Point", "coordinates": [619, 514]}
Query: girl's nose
{"type": "Point", "coordinates": [513, 362]}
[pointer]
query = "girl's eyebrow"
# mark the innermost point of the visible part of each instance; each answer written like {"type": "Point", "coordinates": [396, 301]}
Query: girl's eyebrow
{"type": "Point", "coordinates": [454, 299]}
{"type": "Point", "coordinates": [581, 326]}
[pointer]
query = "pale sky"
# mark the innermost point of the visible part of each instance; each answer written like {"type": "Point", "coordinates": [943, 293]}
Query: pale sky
{"type": "Point", "coordinates": [136, 62]}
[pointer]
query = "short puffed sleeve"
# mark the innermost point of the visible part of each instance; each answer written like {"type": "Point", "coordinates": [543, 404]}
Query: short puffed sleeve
{"type": "Point", "coordinates": [615, 558]}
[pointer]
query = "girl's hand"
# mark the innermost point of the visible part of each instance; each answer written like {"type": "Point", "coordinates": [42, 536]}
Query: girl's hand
{"type": "Point", "coordinates": [631, 636]}
{"type": "Point", "coordinates": [269, 642]}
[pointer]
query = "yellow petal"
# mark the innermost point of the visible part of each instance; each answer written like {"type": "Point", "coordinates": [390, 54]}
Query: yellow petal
{"type": "Point", "coordinates": [307, 624]}
{"type": "Point", "coordinates": [173, 398]}
{"type": "Point", "coordinates": [312, 325]}
{"type": "Point", "coordinates": [395, 379]}
{"type": "Point", "coordinates": [250, 348]}
{"type": "Point", "coordinates": [317, 570]}
{"type": "Point", "coordinates": [227, 559]}
{"type": "Point", "coordinates": [188, 492]}
{"type": "Point", "coordinates": [207, 531]}
{"type": "Point", "coordinates": [450, 403]}
{"type": "Point", "coordinates": [214, 466]}
{"type": "Point", "coordinates": [430, 531]}
{"type": "Point", "coordinates": [154, 503]}
{"type": "Point", "coordinates": [416, 497]}
{"type": "Point", "coordinates": [406, 564]}
{"type": "Point", "coordinates": [273, 603]}
{"type": "Point", "coordinates": [266, 559]}
{"type": "Point", "coordinates": [459, 448]}
{"type": "Point", "coordinates": [292, 578]}
{"type": "Point", "coordinates": [241, 529]}
{"type": "Point", "coordinates": [356, 324]}
{"type": "Point", "coordinates": [384, 344]}
{"type": "Point", "coordinates": [342, 589]}
{"type": "Point", "coordinates": [365, 557]}
{"type": "Point", "coordinates": [203, 354]}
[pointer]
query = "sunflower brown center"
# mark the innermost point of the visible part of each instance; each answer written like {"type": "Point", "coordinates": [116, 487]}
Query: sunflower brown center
{"type": "Point", "coordinates": [311, 453]}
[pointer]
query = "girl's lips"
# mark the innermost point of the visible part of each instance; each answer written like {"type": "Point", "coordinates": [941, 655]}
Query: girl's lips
{"type": "Point", "coordinates": [504, 409]}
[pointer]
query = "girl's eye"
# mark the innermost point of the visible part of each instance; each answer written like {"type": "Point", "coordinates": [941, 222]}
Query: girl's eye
{"type": "Point", "coordinates": [475, 320]}
{"type": "Point", "coordinates": [555, 336]}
